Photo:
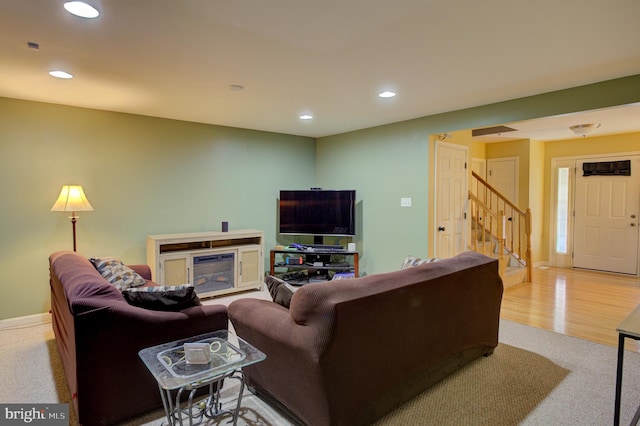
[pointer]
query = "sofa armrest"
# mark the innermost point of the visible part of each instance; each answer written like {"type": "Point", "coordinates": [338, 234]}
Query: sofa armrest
{"type": "Point", "coordinates": [293, 353]}
{"type": "Point", "coordinates": [107, 342]}
{"type": "Point", "coordinates": [252, 318]}
{"type": "Point", "coordinates": [143, 270]}
{"type": "Point", "coordinates": [265, 323]}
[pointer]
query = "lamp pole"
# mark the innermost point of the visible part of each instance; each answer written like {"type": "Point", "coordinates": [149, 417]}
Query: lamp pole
{"type": "Point", "coordinates": [74, 219]}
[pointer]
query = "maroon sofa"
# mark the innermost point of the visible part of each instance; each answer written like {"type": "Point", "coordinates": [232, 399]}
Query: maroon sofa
{"type": "Point", "coordinates": [98, 335]}
{"type": "Point", "coordinates": [347, 352]}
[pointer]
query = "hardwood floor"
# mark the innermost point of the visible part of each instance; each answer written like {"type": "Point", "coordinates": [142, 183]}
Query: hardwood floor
{"type": "Point", "coordinates": [585, 304]}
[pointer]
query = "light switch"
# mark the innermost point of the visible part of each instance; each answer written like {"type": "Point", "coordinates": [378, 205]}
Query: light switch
{"type": "Point", "coordinates": [405, 202]}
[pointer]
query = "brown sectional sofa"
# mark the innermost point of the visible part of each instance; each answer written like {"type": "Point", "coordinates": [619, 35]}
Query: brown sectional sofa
{"type": "Point", "coordinates": [349, 351]}
{"type": "Point", "coordinates": [98, 335]}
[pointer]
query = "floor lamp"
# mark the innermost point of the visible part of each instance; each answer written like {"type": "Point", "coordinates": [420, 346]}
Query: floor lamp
{"type": "Point", "coordinates": [72, 199]}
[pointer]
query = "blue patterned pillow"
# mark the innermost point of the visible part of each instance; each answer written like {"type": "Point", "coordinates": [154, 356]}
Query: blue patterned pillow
{"type": "Point", "coordinates": [162, 298]}
{"type": "Point", "coordinates": [411, 261]}
{"type": "Point", "coordinates": [117, 273]}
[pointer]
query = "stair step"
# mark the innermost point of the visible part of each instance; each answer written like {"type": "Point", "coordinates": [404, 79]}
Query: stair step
{"type": "Point", "coordinates": [513, 276]}
{"type": "Point", "coordinates": [515, 273]}
{"type": "Point", "coordinates": [488, 248]}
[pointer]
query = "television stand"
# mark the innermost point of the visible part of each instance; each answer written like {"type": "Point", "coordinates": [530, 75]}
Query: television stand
{"type": "Point", "coordinates": [324, 262]}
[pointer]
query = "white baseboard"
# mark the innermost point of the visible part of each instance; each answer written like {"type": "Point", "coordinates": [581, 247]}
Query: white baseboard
{"type": "Point", "coordinates": [26, 321]}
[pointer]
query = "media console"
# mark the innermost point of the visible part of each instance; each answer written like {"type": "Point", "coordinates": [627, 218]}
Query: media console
{"type": "Point", "coordinates": [215, 263]}
{"type": "Point", "coordinates": [307, 265]}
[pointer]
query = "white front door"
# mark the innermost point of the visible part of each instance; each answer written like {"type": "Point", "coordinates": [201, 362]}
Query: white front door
{"type": "Point", "coordinates": [606, 219]}
{"type": "Point", "coordinates": [451, 197]}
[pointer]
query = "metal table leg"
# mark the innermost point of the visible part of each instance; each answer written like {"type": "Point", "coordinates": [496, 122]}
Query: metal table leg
{"type": "Point", "coordinates": [616, 413]}
{"type": "Point", "coordinates": [211, 407]}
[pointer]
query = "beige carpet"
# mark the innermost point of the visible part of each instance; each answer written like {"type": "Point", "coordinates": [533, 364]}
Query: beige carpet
{"type": "Point", "coordinates": [535, 377]}
{"type": "Point", "coordinates": [500, 389]}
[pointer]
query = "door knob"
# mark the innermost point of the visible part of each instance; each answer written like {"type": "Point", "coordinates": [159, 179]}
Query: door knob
{"type": "Point", "coordinates": [633, 224]}
{"type": "Point", "coordinates": [440, 228]}
{"type": "Point", "coordinates": [633, 216]}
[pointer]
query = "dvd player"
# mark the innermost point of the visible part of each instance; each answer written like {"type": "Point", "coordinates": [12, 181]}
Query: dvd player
{"type": "Point", "coordinates": [326, 246]}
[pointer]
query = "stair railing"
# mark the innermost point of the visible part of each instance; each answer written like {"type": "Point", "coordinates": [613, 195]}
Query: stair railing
{"type": "Point", "coordinates": [496, 219]}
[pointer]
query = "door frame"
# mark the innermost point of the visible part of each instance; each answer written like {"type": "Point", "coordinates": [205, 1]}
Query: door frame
{"type": "Point", "coordinates": [557, 260]}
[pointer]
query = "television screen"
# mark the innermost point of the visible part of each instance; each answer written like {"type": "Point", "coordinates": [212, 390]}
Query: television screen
{"type": "Point", "coordinates": [317, 212]}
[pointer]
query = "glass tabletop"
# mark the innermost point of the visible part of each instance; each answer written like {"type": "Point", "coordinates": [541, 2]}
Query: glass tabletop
{"type": "Point", "coordinates": [228, 352]}
{"type": "Point", "coordinates": [631, 324]}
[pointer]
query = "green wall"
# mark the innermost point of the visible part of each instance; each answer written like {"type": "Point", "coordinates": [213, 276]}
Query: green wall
{"type": "Point", "coordinates": [142, 175]}
{"type": "Point", "coordinates": [148, 176]}
{"type": "Point", "coordinates": [389, 162]}
{"type": "Point", "coordinates": [383, 164]}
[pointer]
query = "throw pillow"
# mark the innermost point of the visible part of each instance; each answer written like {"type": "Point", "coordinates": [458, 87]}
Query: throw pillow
{"type": "Point", "coordinates": [281, 291]}
{"type": "Point", "coordinates": [411, 261]}
{"type": "Point", "coordinates": [162, 298]}
{"type": "Point", "coordinates": [117, 273]}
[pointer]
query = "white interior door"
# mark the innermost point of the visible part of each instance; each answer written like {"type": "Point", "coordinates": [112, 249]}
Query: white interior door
{"type": "Point", "coordinates": [451, 196]}
{"type": "Point", "coordinates": [606, 219]}
{"type": "Point", "coordinates": [503, 176]}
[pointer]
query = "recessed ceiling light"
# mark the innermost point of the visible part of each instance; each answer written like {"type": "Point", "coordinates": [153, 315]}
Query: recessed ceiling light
{"type": "Point", "coordinates": [60, 74]}
{"type": "Point", "coordinates": [236, 87]}
{"type": "Point", "coordinates": [82, 9]}
{"type": "Point", "coordinates": [306, 117]}
{"type": "Point", "coordinates": [387, 94]}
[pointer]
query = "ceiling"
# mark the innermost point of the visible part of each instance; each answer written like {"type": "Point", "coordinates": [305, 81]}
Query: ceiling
{"type": "Point", "coordinates": [330, 58]}
{"type": "Point", "coordinates": [622, 119]}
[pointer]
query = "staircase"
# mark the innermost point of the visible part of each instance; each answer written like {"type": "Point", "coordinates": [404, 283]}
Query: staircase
{"type": "Point", "coordinates": [500, 229]}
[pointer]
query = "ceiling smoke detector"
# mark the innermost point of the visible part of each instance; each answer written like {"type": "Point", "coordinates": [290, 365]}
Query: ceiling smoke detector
{"type": "Point", "coordinates": [584, 129]}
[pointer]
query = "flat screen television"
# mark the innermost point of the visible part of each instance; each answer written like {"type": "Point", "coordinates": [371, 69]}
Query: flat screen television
{"type": "Point", "coordinates": [317, 212]}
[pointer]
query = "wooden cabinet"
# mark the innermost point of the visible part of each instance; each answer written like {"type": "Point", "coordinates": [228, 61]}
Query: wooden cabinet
{"type": "Point", "coordinates": [215, 262]}
{"type": "Point", "coordinates": [251, 266]}
{"type": "Point", "coordinates": [174, 270]}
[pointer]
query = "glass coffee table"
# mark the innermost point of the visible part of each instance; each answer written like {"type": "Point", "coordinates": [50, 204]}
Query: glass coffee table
{"type": "Point", "coordinates": [214, 357]}
{"type": "Point", "coordinates": [628, 328]}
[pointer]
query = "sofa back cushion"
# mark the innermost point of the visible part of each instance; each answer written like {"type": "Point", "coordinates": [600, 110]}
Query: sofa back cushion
{"type": "Point", "coordinates": [319, 300]}
{"type": "Point", "coordinates": [411, 261]}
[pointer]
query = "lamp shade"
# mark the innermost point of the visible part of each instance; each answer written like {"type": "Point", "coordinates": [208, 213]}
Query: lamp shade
{"type": "Point", "coordinates": [71, 199]}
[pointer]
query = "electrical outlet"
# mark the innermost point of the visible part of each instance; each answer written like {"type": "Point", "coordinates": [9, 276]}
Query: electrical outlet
{"type": "Point", "coordinates": [405, 202]}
